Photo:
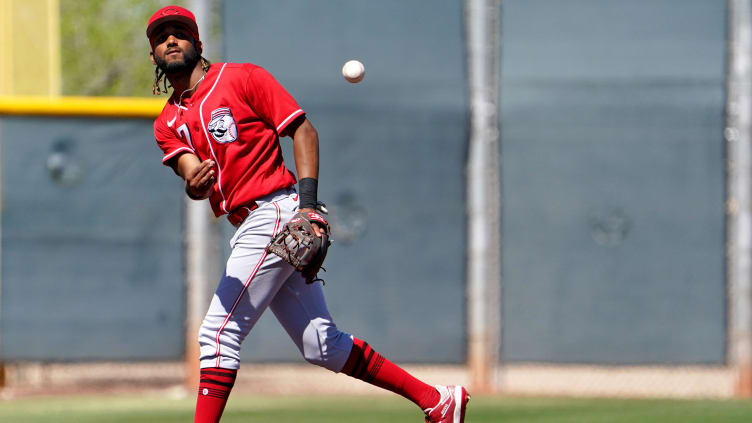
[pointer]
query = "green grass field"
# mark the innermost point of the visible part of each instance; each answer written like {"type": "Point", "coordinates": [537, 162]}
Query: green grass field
{"type": "Point", "coordinates": [320, 409]}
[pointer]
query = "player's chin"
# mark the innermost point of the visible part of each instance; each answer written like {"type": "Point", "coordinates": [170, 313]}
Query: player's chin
{"type": "Point", "coordinates": [176, 65]}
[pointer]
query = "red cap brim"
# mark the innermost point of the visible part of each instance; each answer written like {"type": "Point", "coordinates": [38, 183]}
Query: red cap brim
{"type": "Point", "coordinates": [190, 24]}
{"type": "Point", "coordinates": [171, 14]}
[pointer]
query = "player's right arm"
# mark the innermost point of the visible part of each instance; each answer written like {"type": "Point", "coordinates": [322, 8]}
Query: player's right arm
{"type": "Point", "coordinates": [182, 158]}
{"type": "Point", "coordinates": [199, 176]}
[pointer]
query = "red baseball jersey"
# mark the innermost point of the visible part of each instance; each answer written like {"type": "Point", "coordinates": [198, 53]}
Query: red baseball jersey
{"type": "Point", "coordinates": [234, 117]}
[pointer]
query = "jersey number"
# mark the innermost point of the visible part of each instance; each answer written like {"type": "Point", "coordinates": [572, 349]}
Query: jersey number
{"type": "Point", "coordinates": [183, 130]}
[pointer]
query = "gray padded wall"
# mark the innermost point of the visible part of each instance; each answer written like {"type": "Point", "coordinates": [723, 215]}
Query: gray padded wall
{"type": "Point", "coordinates": [92, 261]}
{"type": "Point", "coordinates": [392, 157]}
{"type": "Point", "coordinates": [613, 181]}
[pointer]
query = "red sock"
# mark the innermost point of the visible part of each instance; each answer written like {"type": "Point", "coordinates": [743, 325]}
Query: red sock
{"type": "Point", "coordinates": [369, 366]}
{"type": "Point", "coordinates": [213, 391]}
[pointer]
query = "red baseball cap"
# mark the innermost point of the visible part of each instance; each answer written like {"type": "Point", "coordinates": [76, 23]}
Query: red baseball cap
{"type": "Point", "coordinates": [172, 14]}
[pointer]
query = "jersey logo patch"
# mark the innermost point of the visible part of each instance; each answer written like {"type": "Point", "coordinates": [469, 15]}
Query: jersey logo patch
{"type": "Point", "coordinates": [222, 125]}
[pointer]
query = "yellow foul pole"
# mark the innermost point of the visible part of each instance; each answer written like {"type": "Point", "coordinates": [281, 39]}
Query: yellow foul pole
{"type": "Point", "coordinates": [30, 47]}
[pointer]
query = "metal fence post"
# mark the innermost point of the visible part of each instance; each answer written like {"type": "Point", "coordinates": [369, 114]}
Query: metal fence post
{"type": "Point", "coordinates": [739, 212]}
{"type": "Point", "coordinates": [201, 236]}
{"type": "Point", "coordinates": [483, 194]}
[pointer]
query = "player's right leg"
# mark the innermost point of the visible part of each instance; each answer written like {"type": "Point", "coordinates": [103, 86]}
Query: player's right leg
{"type": "Point", "coordinates": [252, 278]}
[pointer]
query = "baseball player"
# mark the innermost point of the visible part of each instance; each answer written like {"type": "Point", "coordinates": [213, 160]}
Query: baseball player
{"type": "Point", "coordinates": [220, 131]}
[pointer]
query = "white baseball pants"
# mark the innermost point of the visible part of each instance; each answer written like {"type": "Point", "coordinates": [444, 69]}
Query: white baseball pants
{"type": "Point", "coordinates": [255, 280]}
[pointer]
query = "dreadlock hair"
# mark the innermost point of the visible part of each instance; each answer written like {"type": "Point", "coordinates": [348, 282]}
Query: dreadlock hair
{"type": "Point", "coordinates": [158, 75]}
{"type": "Point", "coordinates": [160, 79]}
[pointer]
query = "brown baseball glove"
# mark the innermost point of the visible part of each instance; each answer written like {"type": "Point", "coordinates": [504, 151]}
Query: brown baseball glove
{"type": "Point", "coordinates": [298, 244]}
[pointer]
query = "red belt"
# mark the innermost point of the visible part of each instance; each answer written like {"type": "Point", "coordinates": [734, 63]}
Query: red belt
{"type": "Point", "coordinates": [237, 216]}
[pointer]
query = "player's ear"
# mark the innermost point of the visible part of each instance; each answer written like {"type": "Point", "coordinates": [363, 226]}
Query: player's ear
{"type": "Point", "coordinates": [199, 47]}
{"type": "Point", "coordinates": [151, 56]}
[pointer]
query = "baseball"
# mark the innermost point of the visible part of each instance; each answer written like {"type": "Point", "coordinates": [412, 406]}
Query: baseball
{"type": "Point", "coordinates": [353, 71]}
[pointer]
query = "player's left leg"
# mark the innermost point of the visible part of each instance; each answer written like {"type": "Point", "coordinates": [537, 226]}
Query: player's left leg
{"type": "Point", "coordinates": [302, 311]}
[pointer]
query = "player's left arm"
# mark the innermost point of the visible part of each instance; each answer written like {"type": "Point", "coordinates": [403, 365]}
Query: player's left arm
{"type": "Point", "coordinates": [278, 108]}
{"type": "Point", "coordinates": [305, 141]}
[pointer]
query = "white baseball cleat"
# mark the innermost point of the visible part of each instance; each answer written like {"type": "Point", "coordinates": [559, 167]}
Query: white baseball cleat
{"type": "Point", "coordinates": [451, 406]}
